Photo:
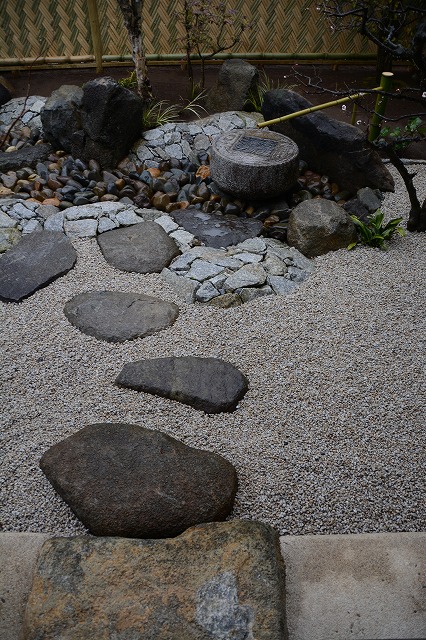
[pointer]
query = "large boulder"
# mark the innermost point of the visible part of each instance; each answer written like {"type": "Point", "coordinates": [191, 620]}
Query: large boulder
{"type": "Point", "coordinates": [125, 480]}
{"type": "Point", "coordinates": [329, 146]}
{"type": "Point", "coordinates": [220, 581]}
{"type": "Point", "coordinates": [318, 226]}
{"type": "Point", "coordinates": [60, 116]}
{"type": "Point", "coordinates": [111, 120]}
{"type": "Point", "coordinates": [208, 384]}
{"type": "Point", "coordinates": [231, 92]}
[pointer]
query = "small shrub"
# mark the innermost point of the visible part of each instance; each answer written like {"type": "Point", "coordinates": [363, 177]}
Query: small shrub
{"type": "Point", "coordinates": [129, 82]}
{"type": "Point", "coordinates": [158, 113]}
{"type": "Point", "coordinates": [257, 94]}
{"type": "Point", "coordinates": [373, 233]}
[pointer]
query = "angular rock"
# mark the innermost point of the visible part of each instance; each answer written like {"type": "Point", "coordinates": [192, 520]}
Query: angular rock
{"type": "Point", "coordinates": [330, 147]}
{"type": "Point", "coordinates": [282, 286]}
{"type": "Point", "coordinates": [115, 316]}
{"type": "Point", "coordinates": [236, 79]}
{"type": "Point", "coordinates": [201, 270]}
{"type": "Point", "coordinates": [248, 276]}
{"type": "Point", "coordinates": [226, 301]}
{"type": "Point", "coordinates": [8, 237]}
{"type": "Point", "coordinates": [55, 222]}
{"type": "Point", "coordinates": [184, 287]}
{"type": "Point", "coordinates": [318, 226]}
{"type": "Point", "coordinates": [206, 292]}
{"type": "Point", "coordinates": [60, 116]}
{"type": "Point", "coordinates": [86, 228]}
{"type": "Point", "coordinates": [37, 260]}
{"type": "Point", "coordinates": [142, 248]}
{"type": "Point", "coordinates": [125, 480]}
{"type": "Point", "coordinates": [217, 230]}
{"type": "Point", "coordinates": [208, 384]}
{"type": "Point", "coordinates": [218, 581]}
{"type": "Point", "coordinates": [27, 157]}
{"type": "Point", "coordinates": [251, 293]}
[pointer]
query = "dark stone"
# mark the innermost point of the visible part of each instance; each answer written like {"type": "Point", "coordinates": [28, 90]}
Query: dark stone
{"type": "Point", "coordinates": [26, 157]}
{"type": "Point", "coordinates": [142, 248]}
{"type": "Point", "coordinates": [208, 384]}
{"type": "Point", "coordinates": [115, 317]}
{"type": "Point", "coordinates": [236, 79]}
{"type": "Point", "coordinates": [111, 118]}
{"type": "Point", "coordinates": [125, 480]}
{"type": "Point", "coordinates": [217, 581]}
{"type": "Point", "coordinates": [38, 259]}
{"type": "Point", "coordinates": [216, 230]}
{"type": "Point", "coordinates": [319, 226]}
{"type": "Point", "coordinates": [60, 116]}
{"type": "Point", "coordinates": [328, 146]}
{"type": "Point", "coordinates": [5, 94]}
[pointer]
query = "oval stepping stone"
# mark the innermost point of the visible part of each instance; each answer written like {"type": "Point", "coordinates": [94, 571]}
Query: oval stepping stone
{"type": "Point", "coordinates": [115, 316]}
{"type": "Point", "coordinates": [209, 384]}
{"type": "Point", "coordinates": [142, 248]}
{"type": "Point", "coordinates": [37, 260]}
{"type": "Point", "coordinates": [125, 480]}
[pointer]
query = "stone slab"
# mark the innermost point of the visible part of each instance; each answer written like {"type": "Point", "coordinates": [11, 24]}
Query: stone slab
{"type": "Point", "coordinates": [18, 557]}
{"type": "Point", "coordinates": [218, 581]}
{"type": "Point", "coordinates": [216, 230]}
{"type": "Point", "coordinates": [37, 260]}
{"type": "Point", "coordinates": [356, 586]}
{"type": "Point", "coordinates": [208, 384]}
{"type": "Point", "coordinates": [115, 316]}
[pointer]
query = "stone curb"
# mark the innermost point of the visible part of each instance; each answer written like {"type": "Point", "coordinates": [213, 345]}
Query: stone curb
{"type": "Point", "coordinates": [338, 586]}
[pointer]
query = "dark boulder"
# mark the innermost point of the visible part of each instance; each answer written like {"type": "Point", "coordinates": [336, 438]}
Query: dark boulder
{"type": "Point", "coordinates": [125, 480]}
{"type": "Point", "coordinates": [217, 230]}
{"type": "Point", "coordinates": [330, 147]}
{"type": "Point", "coordinates": [236, 79]}
{"type": "Point", "coordinates": [60, 116]}
{"type": "Point", "coordinates": [208, 384]}
{"type": "Point", "coordinates": [29, 156]}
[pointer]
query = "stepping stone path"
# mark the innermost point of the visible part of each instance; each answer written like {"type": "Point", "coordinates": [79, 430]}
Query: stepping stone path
{"type": "Point", "coordinates": [208, 384]}
{"type": "Point", "coordinates": [143, 248]}
{"type": "Point", "coordinates": [115, 317]}
{"type": "Point", "coordinates": [220, 580]}
{"type": "Point", "coordinates": [217, 230]}
{"type": "Point", "coordinates": [125, 480]}
{"type": "Point", "coordinates": [37, 260]}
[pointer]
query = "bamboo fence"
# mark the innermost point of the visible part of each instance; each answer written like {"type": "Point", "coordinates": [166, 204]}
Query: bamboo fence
{"type": "Point", "coordinates": [77, 31]}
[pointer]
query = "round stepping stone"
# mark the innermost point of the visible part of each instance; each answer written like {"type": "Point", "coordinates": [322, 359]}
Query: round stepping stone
{"type": "Point", "coordinates": [254, 164]}
{"type": "Point", "coordinates": [209, 384]}
{"type": "Point", "coordinates": [125, 480]}
{"type": "Point", "coordinates": [142, 248]}
{"type": "Point", "coordinates": [115, 316]}
{"type": "Point", "coordinates": [36, 261]}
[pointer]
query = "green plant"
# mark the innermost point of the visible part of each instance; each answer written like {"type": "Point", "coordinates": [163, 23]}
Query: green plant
{"type": "Point", "coordinates": [257, 93]}
{"type": "Point", "coordinates": [129, 82]}
{"type": "Point", "coordinates": [373, 233]}
{"type": "Point", "coordinates": [158, 113]}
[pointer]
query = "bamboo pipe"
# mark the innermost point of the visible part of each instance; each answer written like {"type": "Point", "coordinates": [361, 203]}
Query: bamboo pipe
{"type": "Point", "coordinates": [318, 107]}
{"type": "Point", "coordinates": [95, 33]}
{"type": "Point", "coordinates": [379, 109]}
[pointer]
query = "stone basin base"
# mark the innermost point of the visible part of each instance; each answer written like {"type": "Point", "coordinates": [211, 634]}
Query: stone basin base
{"type": "Point", "coordinates": [254, 164]}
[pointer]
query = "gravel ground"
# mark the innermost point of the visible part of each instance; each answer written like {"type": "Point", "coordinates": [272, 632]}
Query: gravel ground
{"type": "Point", "coordinates": [328, 439]}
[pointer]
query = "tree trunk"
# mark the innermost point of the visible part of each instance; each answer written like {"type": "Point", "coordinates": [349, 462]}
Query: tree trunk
{"type": "Point", "coordinates": [417, 216]}
{"type": "Point", "coordinates": [132, 14]}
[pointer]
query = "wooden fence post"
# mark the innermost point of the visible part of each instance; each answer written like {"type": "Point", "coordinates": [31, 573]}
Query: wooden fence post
{"type": "Point", "coordinates": [96, 33]}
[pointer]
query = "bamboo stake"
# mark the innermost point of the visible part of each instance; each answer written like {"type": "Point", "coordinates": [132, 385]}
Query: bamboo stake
{"type": "Point", "coordinates": [95, 33]}
{"type": "Point", "coordinates": [318, 107]}
{"type": "Point", "coordinates": [379, 109]}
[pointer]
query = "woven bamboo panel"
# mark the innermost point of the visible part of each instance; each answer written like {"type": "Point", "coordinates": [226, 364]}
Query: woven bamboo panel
{"type": "Point", "coordinates": [30, 28]}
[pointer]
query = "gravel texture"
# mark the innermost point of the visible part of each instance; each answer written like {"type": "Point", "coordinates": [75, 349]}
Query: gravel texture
{"type": "Point", "coordinates": [328, 439]}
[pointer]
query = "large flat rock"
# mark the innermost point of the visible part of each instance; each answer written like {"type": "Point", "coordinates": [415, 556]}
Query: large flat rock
{"type": "Point", "coordinates": [37, 260]}
{"type": "Point", "coordinates": [209, 384]}
{"type": "Point", "coordinates": [115, 316]}
{"type": "Point", "coordinates": [125, 480]}
{"type": "Point", "coordinates": [217, 230]}
{"type": "Point", "coordinates": [142, 248]}
{"type": "Point", "coordinates": [217, 581]}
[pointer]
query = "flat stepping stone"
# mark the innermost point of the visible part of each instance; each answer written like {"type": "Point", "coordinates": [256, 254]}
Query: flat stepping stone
{"type": "Point", "coordinates": [125, 480]}
{"type": "Point", "coordinates": [115, 316]}
{"type": "Point", "coordinates": [36, 261]}
{"type": "Point", "coordinates": [142, 248]}
{"type": "Point", "coordinates": [217, 581]}
{"type": "Point", "coordinates": [216, 230]}
{"type": "Point", "coordinates": [208, 384]}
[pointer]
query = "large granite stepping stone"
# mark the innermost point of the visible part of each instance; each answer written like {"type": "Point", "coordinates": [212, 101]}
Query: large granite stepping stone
{"type": "Point", "coordinates": [220, 581]}
{"type": "Point", "coordinates": [37, 260]}
{"type": "Point", "coordinates": [209, 384]}
{"type": "Point", "coordinates": [217, 230]}
{"type": "Point", "coordinates": [125, 480]}
{"type": "Point", "coordinates": [115, 316]}
{"type": "Point", "coordinates": [142, 248]}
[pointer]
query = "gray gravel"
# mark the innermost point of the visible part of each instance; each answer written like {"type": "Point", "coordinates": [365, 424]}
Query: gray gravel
{"type": "Point", "coordinates": [330, 436]}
